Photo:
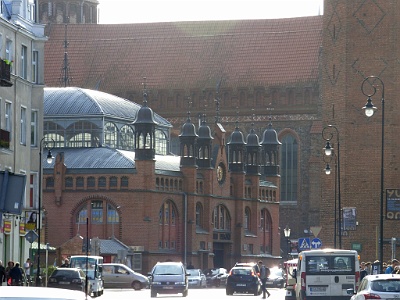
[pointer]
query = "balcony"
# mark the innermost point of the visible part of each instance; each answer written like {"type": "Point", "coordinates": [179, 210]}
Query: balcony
{"type": "Point", "coordinates": [4, 141]}
{"type": "Point", "coordinates": [5, 73]}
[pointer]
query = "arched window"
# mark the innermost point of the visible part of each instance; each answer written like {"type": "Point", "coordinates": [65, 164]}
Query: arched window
{"type": "Point", "coordinates": [97, 212]}
{"type": "Point", "coordinates": [124, 182]}
{"type": "Point", "coordinates": [110, 135]}
{"type": "Point", "coordinates": [221, 218]}
{"type": "Point", "coordinates": [289, 168]}
{"type": "Point", "coordinates": [127, 138]}
{"type": "Point", "coordinates": [82, 215]}
{"type": "Point", "coordinates": [49, 182]}
{"type": "Point", "coordinates": [161, 142]}
{"type": "Point", "coordinates": [265, 231]}
{"type": "Point", "coordinates": [91, 183]}
{"type": "Point", "coordinates": [168, 232]}
{"type": "Point", "coordinates": [247, 219]}
{"type": "Point", "coordinates": [112, 214]}
{"type": "Point", "coordinates": [79, 182]}
{"type": "Point", "coordinates": [69, 182]}
{"type": "Point", "coordinates": [199, 215]}
{"type": "Point", "coordinates": [102, 182]}
{"type": "Point", "coordinates": [113, 182]}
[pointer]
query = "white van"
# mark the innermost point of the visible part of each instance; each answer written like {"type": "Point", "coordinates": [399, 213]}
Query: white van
{"type": "Point", "coordinates": [327, 274]}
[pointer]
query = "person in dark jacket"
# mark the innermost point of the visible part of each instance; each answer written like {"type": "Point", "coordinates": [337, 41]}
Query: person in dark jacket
{"type": "Point", "coordinates": [2, 273]}
{"type": "Point", "coordinates": [16, 275]}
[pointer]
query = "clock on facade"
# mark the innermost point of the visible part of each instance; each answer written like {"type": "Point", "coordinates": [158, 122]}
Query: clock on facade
{"type": "Point", "coordinates": [221, 173]}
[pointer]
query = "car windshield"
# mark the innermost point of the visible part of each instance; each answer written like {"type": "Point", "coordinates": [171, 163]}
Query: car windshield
{"type": "Point", "coordinates": [391, 285]}
{"type": "Point", "coordinates": [243, 271]}
{"type": "Point", "coordinates": [168, 270]}
{"type": "Point", "coordinates": [276, 272]}
{"type": "Point", "coordinates": [193, 272]}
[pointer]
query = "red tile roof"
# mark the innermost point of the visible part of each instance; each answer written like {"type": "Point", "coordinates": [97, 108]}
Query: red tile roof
{"type": "Point", "coordinates": [181, 55]}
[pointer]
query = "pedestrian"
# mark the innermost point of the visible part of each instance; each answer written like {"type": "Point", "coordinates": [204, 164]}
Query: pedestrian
{"type": "Point", "coordinates": [16, 275]}
{"type": "Point", "coordinates": [65, 264]}
{"type": "Point", "coordinates": [2, 273]}
{"type": "Point", "coordinates": [363, 270]}
{"type": "Point", "coordinates": [391, 269]}
{"type": "Point", "coordinates": [27, 269]}
{"type": "Point", "coordinates": [9, 267]}
{"type": "Point", "coordinates": [264, 274]}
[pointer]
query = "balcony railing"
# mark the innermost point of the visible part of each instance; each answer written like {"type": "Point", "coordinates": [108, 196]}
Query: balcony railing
{"type": "Point", "coordinates": [4, 139]}
{"type": "Point", "coordinates": [5, 73]}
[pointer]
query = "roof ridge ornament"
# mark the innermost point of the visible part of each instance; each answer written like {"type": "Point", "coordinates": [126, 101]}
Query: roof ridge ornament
{"type": "Point", "coordinates": [145, 93]}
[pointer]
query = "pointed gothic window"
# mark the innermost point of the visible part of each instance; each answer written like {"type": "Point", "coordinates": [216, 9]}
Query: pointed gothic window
{"type": "Point", "coordinates": [289, 168]}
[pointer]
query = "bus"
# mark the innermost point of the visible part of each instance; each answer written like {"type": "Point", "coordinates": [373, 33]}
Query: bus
{"type": "Point", "coordinates": [327, 274]}
{"type": "Point", "coordinates": [93, 267]}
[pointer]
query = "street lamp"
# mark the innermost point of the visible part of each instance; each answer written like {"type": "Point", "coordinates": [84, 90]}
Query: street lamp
{"type": "Point", "coordinates": [369, 111]}
{"type": "Point", "coordinates": [328, 172]}
{"type": "Point", "coordinates": [327, 134]}
{"type": "Point", "coordinates": [286, 232]}
{"type": "Point", "coordinates": [43, 145]}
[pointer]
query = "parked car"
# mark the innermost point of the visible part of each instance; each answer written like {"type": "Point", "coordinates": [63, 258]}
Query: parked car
{"type": "Point", "coordinates": [39, 293]}
{"type": "Point", "coordinates": [216, 276]}
{"type": "Point", "coordinates": [276, 278]}
{"type": "Point", "coordinates": [197, 278]}
{"type": "Point", "coordinates": [381, 286]}
{"type": "Point", "coordinates": [121, 276]}
{"type": "Point", "coordinates": [243, 279]}
{"type": "Point", "coordinates": [168, 278]}
{"type": "Point", "coordinates": [68, 278]}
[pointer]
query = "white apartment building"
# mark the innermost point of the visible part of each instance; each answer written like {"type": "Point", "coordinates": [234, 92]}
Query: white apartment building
{"type": "Point", "coordinates": [21, 116]}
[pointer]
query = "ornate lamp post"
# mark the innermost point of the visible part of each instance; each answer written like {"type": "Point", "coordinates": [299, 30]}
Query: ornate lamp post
{"type": "Point", "coordinates": [327, 134]}
{"type": "Point", "coordinates": [369, 109]}
{"type": "Point", "coordinates": [328, 172]}
{"type": "Point", "coordinates": [286, 232]}
{"type": "Point", "coordinates": [43, 145]}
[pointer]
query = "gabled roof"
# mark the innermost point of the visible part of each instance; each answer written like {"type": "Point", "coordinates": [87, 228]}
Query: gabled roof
{"type": "Point", "coordinates": [179, 55]}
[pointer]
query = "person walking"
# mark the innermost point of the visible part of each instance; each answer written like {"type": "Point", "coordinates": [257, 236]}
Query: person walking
{"type": "Point", "coordinates": [363, 270]}
{"type": "Point", "coordinates": [9, 267]}
{"type": "Point", "coordinates": [16, 275]}
{"type": "Point", "coordinates": [2, 273]}
{"type": "Point", "coordinates": [390, 269]}
{"type": "Point", "coordinates": [264, 273]}
{"type": "Point", "coordinates": [27, 269]}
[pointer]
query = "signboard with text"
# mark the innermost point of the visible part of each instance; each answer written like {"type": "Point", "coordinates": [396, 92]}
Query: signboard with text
{"type": "Point", "coordinates": [393, 204]}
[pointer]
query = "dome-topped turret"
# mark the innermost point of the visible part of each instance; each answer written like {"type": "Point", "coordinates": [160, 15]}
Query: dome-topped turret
{"type": "Point", "coordinates": [252, 138]}
{"type": "Point", "coordinates": [204, 144]}
{"type": "Point", "coordinates": [188, 129]}
{"type": "Point", "coordinates": [204, 130]}
{"type": "Point", "coordinates": [237, 137]}
{"type": "Point", "coordinates": [145, 114]}
{"type": "Point", "coordinates": [270, 137]}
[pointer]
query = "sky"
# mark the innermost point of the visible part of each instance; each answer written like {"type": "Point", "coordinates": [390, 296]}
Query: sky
{"type": "Point", "coordinates": [152, 11]}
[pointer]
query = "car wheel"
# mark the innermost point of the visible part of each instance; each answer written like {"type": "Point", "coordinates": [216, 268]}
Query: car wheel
{"type": "Point", "coordinates": [229, 292]}
{"type": "Point", "coordinates": [136, 285]}
{"type": "Point", "coordinates": [153, 294]}
{"type": "Point", "coordinates": [185, 293]}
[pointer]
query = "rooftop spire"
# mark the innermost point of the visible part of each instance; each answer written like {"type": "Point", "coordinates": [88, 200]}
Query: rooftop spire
{"type": "Point", "coordinates": [65, 79]}
{"type": "Point", "coordinates": [145, 95]}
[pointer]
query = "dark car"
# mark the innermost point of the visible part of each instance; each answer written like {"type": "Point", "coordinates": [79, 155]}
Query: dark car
{"type": "Point", "coordinates": [243, 279]}
{"type": "Point", "coordinates": [67, 278]}
{"type": "Point", "coordinates": [276, 278]}
{"type": "Point", "coordinates": [168, 278]}
{"type": "Point", "coordinates": [216, 276]}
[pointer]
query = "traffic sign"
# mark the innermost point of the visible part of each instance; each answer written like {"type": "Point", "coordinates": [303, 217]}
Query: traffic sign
{"type": "Point", "coordinates": [304, 244]}
{"type": "Point", "coordinates": [31, 236]}
{"type": "Point", "coordinates": [316, 243]}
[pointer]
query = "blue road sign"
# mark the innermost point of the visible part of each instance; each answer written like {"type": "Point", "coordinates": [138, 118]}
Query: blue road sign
{"type": "Point", "coordinates": [316, 243]}
{"type": "Point", "coordinates": [304, 244]}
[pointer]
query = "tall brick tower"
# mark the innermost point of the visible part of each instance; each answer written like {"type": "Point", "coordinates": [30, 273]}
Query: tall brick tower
{"type": "Point", "coordinates": [360, 38]}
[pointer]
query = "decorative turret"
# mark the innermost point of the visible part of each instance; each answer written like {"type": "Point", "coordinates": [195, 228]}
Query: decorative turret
{"type": "Point", "coordinates": [204, 144]}
{"type": "Point", "coordinates": [145, 131]}
{"type": "Point", "coordinates": [270, 152]}
{"type": "Point", "coordinates": [188, 138]}
{"type": "Point", "coordinates": [253, 148]}
{"type": "Point", "coordinates": [236, 151]}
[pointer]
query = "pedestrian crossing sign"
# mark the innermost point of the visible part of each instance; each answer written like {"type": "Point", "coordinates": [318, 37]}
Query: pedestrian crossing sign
{"type": "Point", "coordinates": [304, 244]}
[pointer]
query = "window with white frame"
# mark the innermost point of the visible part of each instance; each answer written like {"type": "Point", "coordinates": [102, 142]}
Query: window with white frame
{"type": "Point", "coordinates": [24, 65]}
{"type": "Point", "coordinates": [23, 126]}
{"type": "Point", "coordinates": [34, 128]}
{"type": "Point", "coordinates": [7, 116]}
{"type": "Point", "coordinates": [35, 66]}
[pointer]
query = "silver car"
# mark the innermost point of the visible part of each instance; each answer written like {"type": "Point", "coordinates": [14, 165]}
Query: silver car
{"type": "Point", "coordinates": [196, 278]}
{"type": "Point", "coordinates": [121, 276]}
{"type": "Point", "coordinates": [381, 286]}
